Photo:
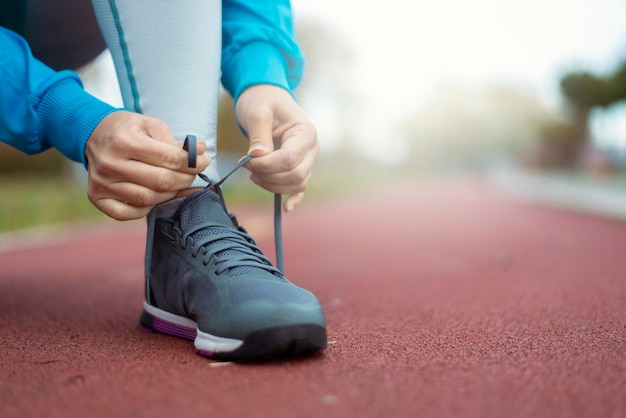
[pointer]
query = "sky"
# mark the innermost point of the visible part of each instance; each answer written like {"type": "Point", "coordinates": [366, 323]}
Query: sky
{"type": "Point", "coordinates": [405, 49]}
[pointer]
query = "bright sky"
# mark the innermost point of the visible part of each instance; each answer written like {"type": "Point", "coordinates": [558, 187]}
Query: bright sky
{"type": "Point", "coordinates": [406, 48]}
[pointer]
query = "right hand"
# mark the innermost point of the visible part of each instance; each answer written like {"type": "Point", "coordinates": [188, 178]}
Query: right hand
{"type": "Point", "coordinates": [134, 163]}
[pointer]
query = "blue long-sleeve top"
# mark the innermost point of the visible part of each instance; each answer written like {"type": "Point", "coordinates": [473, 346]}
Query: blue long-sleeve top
{"type": "Point", "coordinates": [258, 45]}
{"type": "Point", "coordinates": [41, 108]}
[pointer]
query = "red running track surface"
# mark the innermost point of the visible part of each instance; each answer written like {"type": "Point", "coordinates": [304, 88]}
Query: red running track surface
{"type": "Point", "coordinates": [442, 300]}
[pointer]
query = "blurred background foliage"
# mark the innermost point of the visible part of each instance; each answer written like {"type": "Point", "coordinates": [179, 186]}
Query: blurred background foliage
{"type": "Point", "coordinates": [458, 128]}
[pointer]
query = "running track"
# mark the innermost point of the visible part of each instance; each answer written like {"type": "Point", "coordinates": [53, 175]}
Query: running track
{"type": "Point", "coordinates": [443, 299]}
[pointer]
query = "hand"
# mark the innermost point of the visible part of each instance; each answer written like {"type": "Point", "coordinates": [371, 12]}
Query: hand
{"type": "Point", "coordinates": [134, 163]}
{"type": "Point", "coordinates": [281, 137]}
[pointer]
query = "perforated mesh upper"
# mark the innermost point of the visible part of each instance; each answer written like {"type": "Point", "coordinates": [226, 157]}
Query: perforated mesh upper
{"type": "Point", "coordinates": [207, 207]}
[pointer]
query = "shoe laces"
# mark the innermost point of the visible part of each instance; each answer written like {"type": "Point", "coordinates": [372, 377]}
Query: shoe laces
{"type": "Point", "coordinates": [227, 249]}
{"type": "Point", "coordinates": [237, 244]}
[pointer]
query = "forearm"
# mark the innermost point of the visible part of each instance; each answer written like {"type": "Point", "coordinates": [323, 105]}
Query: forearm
{"type": "Point", "coordinates": [258, 46]}
{"type": "Point", "coordinates": [41, 108]}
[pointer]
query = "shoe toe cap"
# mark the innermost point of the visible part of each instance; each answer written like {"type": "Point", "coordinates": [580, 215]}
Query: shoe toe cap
{"type": "Point", "coordinates": [257, 314]}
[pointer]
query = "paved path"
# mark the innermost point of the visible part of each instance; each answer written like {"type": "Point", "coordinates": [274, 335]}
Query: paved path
{"type": "Point", "coordinates": [443, 300]}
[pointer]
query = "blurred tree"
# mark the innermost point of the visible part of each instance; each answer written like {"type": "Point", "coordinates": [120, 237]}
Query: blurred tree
{"type": "Point", "coordinates": [583, 91]}
{"type": "Point", "coordinates": [618, 82]}
{"type": "Point", "coordinates": [14, 162]}
{"type": "Point", "coordinates": [231, 139]}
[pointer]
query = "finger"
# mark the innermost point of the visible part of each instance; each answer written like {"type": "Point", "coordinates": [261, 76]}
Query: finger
{"type": "Point", "coordinates": [293, 201]}
{"type": "Point", "coordinates": [158, 130]}
{"type": "Point", "coordinates": [120, 210]}
{"type": "Point", "coordinates": [170, 156]}
{"type": "Point", "coordinates": [285, 182]}
{"type": "Point", "coordinates": [145, 176]}
{"type": "Point", "coordinates": [193, 151]}
{"type": "Point", "coordinates": [284, 175]}
{"type": "Point", "coordinates": [135, 194]}
{"type": "Point", "coordinates": [155, 178]}
{"type": "Point", "coordinates": [295, 150]}
{"type": "Point", "coordinates": [283, 166]}
{"type": "Point", "coordinates": [260, 132]}
{"type": "Point", "coordinates": [125, 135]}
{"type": "Point", "coordinates": [128, 193]}
{"type": "Point", "coordinates": [280, 187]}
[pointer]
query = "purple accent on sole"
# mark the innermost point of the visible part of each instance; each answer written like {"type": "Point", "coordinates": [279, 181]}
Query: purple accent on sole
{"type": "Point", "coordinates": [172, 329]}
{"type": "Point", "coordinates": [206, 353]}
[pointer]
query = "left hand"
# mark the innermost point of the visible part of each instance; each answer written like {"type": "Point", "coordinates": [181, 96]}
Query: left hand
{"type": "Point", "coordinates": [282, 138]}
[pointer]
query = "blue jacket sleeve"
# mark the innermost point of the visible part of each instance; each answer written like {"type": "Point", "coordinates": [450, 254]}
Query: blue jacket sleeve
{"type": "Point", "coordinates": [41, 108]}
{"type": "Point", "coordinates": [258, 45]}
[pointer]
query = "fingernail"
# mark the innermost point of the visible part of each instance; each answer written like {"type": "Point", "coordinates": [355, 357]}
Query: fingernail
{"type": "Point", "coordinates": [290, 207]}
{"type": "Point", "coordinates": [258, 147]}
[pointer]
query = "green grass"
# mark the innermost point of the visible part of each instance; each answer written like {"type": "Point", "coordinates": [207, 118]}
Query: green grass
{"type": "Point", "coordinates": [323, 185]}
{"type": "Point", "coordinates": [27, 202]}
{"type": "Point", "coordinates": [615, 180]}
{"type": "Point", "coordinates": [51, 200]}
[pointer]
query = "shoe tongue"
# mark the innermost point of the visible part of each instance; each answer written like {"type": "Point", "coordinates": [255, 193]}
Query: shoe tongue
{"type": "Point", "coordinates": [203, 206]}
{"type": "Point", "coordinates": [206, 206]}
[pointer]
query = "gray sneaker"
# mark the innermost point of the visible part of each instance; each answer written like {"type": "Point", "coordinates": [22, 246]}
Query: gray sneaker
{"type": "Point", "coordinates": [207, 280]}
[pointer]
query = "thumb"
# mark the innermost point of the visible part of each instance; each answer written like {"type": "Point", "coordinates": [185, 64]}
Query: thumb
{"type": "Point", "coordinates": [261, 137]}
{"type": "Point", "coordinates": [158, 130]}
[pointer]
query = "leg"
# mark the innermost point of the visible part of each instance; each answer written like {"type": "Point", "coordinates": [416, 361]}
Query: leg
{"type": "Point", "coordinates": [167, 58]}
{"type": "Point", "coordinates": [205, 277]}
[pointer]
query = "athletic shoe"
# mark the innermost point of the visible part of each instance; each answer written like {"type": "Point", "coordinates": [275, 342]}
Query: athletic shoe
{"type": "Point", "coordinates": [207, 280]}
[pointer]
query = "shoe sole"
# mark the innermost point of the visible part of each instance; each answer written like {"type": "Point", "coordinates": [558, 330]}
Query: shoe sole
{"type": "Point", "coordinates": [281, 341]}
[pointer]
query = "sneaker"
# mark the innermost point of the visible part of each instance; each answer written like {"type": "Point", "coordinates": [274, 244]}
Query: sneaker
{"type": "Point", "coordinates": [207, 280]}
